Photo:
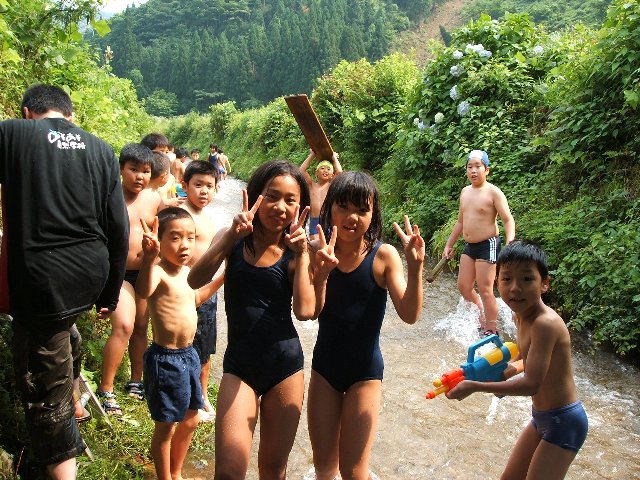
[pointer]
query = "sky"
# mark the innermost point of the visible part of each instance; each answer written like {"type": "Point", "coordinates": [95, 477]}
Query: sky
{"type": "Point", "coordinates": [115, 6]}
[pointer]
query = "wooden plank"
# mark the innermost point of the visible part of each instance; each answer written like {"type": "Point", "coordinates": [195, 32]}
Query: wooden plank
{"type": "Point", "coordinates": [310, 126]}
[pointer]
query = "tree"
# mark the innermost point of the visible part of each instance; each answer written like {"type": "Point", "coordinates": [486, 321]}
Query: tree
{"type": "Point", "coordinates": [161, 103]}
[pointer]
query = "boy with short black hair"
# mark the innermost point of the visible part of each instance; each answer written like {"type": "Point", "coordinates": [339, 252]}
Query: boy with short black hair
{"type": "Point", "coordinates": [171, 365]}
{"type": "Point", "coordinates": [549, 443]}
{"type": "Point", "coordinates": [179, 164]}
{"type": "Point", "coordinates": [200, 186]}
{"type": "Point", "coordinates": [195, 154]}
{"type": "Point", "coordinates": [481, 203]}
{"type": "Point", "coordinates": [156, 142]}
{"type": "Point", "coordinates": [129, 321]}
{"type": "Point", "coordinates": [162, 182]}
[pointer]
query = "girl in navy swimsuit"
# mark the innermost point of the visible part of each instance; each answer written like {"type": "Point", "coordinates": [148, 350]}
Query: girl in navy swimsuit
{"type": "Point", "coordinates": [267, 265]}
{"type": "Point", "coordinates": [359, 270]}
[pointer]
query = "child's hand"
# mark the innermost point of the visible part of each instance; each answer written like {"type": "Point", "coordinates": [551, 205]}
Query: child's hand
{"type": "Point", "coordinates": [243, 222]}
{"type": "Point", "coordinates": [460, 391]}
{"type": "Point", "coordinates": [325, 259]}
{"type": "Point", "coordinates": [412, 242]}
{"type": "Point", "coordinates": [448, 252]}
{"type": "Point", "coordinates": [103, 313]}
{"type": "Point", "coordinates": [150, 242]}
{"type": "Point", "coordinates": [296, 239]}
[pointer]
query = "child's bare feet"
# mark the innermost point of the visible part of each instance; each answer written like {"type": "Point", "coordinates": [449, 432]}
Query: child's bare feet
{"type": "Point", "coordinates": [208, 407]}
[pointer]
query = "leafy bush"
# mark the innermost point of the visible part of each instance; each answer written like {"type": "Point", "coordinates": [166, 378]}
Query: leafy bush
{"type": "Point", "coordinates": [220, 115]}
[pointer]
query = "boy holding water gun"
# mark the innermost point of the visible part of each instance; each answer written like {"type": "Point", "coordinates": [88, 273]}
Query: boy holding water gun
{"type": "Point", "coordinates": [550, 442]}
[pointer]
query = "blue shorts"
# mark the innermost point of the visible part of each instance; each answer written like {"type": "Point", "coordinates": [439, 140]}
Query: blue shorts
{"type": "Point", "coordinates": [565, 427]}
{"type": "Point", "coordinates": [172, 382]}
{"type": "Point", "coordinates": [313, 223]}
{"type": "Point", "coordinates": [486, 250]}
{"type": "Point", "coordinates": [207, 331]}
{"type": "Point", "coordinates": [221, 170]}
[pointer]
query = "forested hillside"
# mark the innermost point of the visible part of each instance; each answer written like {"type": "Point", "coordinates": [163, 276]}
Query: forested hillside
{"type": "Point", "coordinates": [184, 55]}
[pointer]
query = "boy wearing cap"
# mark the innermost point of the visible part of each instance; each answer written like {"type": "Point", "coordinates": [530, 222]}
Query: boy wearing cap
{"type": "Point", "coordinates": [480, 205]}
{"type": "Point", "coordinates": [325, 172]}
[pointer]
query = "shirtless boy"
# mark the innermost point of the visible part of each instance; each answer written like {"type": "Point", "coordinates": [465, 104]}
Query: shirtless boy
{"type": "Point", "coordinates": [224, 167]}
{"type": "Point", "coordinates": [200, 185]}
{"type": "Point", "coordinates": [549, 443]}
{"type": "Point", "coordinates": [129, 320]}
{"type": "Point", "coordinates": [325, 172]}
{"type": "Point", "coordinates": [480, 205]}
{"type": "Point", "coordinates": [171, 364]}
{"type": "Point", "coordinates": [178, 165]}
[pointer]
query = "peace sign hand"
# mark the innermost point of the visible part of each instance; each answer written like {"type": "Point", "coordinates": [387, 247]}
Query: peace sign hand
{"type": "Point", "coordinates": [325, 259]}
{"type": "Point", "coordinates": [296, 239]}
{"type": "Point", "coordinates": [412, 242]}
{"type": "Point", "coordinates": [150, 242]}
{"type": "Point", "coordinates": [243, 222]}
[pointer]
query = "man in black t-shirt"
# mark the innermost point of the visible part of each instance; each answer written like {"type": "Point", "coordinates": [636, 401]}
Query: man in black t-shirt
{"type": "Point", "coordinates": [66, 229]}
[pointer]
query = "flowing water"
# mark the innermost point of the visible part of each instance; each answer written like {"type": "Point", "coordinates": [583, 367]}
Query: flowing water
{"type": "Point", "coordinates": [442, 439]}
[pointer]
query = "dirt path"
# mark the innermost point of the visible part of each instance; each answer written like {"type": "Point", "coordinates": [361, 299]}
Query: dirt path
{"type": "Point", "coordinates": [416, 41]}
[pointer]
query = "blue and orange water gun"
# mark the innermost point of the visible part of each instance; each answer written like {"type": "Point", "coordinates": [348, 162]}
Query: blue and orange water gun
{"type": "Point", "coordinates": [489, 367]}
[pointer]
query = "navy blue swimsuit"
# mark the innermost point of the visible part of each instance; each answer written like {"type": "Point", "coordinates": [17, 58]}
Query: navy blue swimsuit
{"type": "Point", "coordinates": [348, 346]}
{"type": "Point", "coordinates": [263, 346]}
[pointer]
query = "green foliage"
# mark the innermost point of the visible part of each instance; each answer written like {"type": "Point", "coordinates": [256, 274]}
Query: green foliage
{"type": "Point", "coordinates": [596, 116]}
{"type": "Point", "coordinates": [248, 52]}
{"type": "Point", "coordinates": [359, 104]}
{"type": "Point", "coordinates": [554, 15]}
{"type": "Point", "coordinates": [220, 115]}
{"type": "Point", "coordinates": [161, 103]}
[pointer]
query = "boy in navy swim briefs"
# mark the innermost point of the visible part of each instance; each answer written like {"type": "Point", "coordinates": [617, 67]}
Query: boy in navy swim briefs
{"type": "Point", "coordinates": [480, 205]}
{"type": "Point", "coordinates": [549, 443]}
{"type": "Point", "coordinates": [171, 364]}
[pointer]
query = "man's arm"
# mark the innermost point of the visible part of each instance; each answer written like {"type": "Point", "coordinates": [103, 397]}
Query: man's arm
{"type": "Point", "coordinates": [116, 229]}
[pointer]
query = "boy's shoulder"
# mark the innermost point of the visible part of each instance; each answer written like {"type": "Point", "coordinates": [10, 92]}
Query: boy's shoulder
{"type": "Point", "coordinates": [548, 323]}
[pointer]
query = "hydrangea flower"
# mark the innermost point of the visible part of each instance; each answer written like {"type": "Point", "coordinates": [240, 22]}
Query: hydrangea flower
{"type": "Point", "coordinates": [421, 126]}
{"type": "Point", "coordinates": [463, 108]}
{"type": "Point", "coordinates": [486, 53]}
{"type": "Point", "coordinates": [477, 48]}
{"type": "Point", "coordinates": [538, 50]}
{"type": "Point", "coordinates": [453, 93]}
{"type": "Point", "coordinates": [439, 117]}
{"type": "Point", "coordinates": [456, 70]}
{"type": "Point", "coordinates": [458, 54]}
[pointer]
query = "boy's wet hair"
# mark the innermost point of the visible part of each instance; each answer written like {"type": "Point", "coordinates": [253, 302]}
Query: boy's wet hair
{"type": "Point", "coordinates": [220, 150]}
{"type": "Point", "coordinates": [260, 180]}
{"type": "Point", "coordinates": [202, 168]}
{"type": "Point", "coordinates": [43, 98]}
{"type": "Point", "coordinates": [155, 140]}
{"type": "Point", "coordinates": [168, 215]}
{"type": "Point", "coordinates": [136, 153]}
{"type": "Point", "coordinates": [160, 165]}
{"type": "Point", "coordinates": [213, 145]}
{"type": "Point", "coordinates": [524, 251]}
{"type": "Point", "coordinates": [359, 189]}
{"type": "Point", "coordinates": [194, 150]}
{"type": "Point", "coordinates": [181, 152]}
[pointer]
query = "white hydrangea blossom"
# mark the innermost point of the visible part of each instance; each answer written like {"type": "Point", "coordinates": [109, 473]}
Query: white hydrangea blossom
{"type": "Point", "coordinates": [453, 93]}
{"type": "Point", "coordinates": [421, 126]}
{"type": "Point", "coordinates": [471, 48]}
{"type": "Point", "coordinates": [456, 70]}
{"type": "Point", "coordinates": [415, 121]}
{"type": "Point", "coordinates": [458, 54]}
{"type": "Point", "coordinates": [538, 50]}
{"type": "Point", "coordinates": [463, 108]}
{"type": "Point", "coordinates": [486, 53]}
{"type": "Point", "coordinates": [439, 117]}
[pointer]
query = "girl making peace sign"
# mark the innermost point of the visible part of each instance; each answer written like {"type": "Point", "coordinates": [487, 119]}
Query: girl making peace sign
{"type": "Point", "coordinates": [353, 273]}
{"type": "Point", "coordinates": [267, 266]}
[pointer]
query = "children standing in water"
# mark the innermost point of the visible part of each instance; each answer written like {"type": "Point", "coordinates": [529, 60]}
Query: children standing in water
{"type": "Point", "coordinates": [267, 265]}
{"type": "Point", "coordinates": [549, 443]}
{"type": "Point", "coordinates": [480, 205]}
{"type": "Point", "coordinates": [347, 368]}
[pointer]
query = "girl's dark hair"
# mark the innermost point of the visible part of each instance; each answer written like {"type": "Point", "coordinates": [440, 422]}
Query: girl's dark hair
{"type": "Point", "coordinates": [168, 215]}
{"type": "Point", "coordinates": [359, 189]}
{"type": "Point", "coordinates": [260, 180]}
{"type": "Point", "coordinates": [524, 251]}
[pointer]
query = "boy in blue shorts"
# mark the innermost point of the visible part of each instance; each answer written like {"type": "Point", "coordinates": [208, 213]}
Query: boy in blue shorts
{"type": "Point", "coordinates": [171, 364]}
{"type": "Point", "coordinates": [549, 443]}
{"type": "Point", "coordinates": [481, 203]}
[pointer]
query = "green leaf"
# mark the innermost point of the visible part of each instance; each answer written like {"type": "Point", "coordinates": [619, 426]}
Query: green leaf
{"type": "Point", "coordinates": [520, 57]}
{"type": "Point", "coordinates": [100, 26]}
{"type": "Point", "coordinates": [10, 55]}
